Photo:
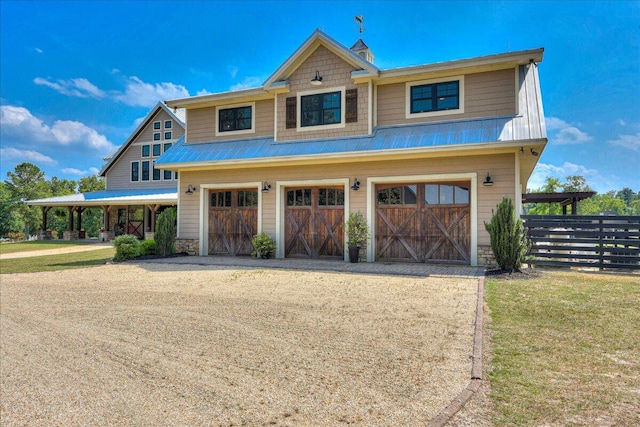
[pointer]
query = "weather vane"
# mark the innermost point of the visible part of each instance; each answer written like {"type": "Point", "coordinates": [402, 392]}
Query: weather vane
{"type": "Point", "coordinates": [360, 20]}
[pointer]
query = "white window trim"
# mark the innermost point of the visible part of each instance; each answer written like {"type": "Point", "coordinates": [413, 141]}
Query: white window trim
{"type": "Point", "coordinates": [472, 177]}
{"type": "Point", "coordinates": [161, 144]}
{"type": "Point", "coordinates": [159, 127]}
{"type": "Point", "coordinates": [164, 134]}
{"type": "Point", "coordinates": [131, 170]}
{"type": "Point", "coordinates": [150, 171]}
{"type": "Point", "coordinates": [236, 132]}
{"type": "Point", "coordinates": [459, 110]}
{"type": "Point", "coordinates": [342, 124]}
{"type": "Point", "coordinates": [142, 156]}
{"type": "Point", "coordinates": [153, 166]}
{"type": "Point", "coordinates": [164, 124]}
{"type": "Point", "coordinates": [154, 136]}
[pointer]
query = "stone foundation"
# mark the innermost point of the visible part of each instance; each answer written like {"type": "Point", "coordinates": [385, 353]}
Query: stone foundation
{"type": "Point", "coordinates": [190, 246]}
{"type": "Point", "coordinates": [485, 256]}
{"type": "Point", "coordinates": [70, 235]}
{"type": "Point", "coordinates": [45, 235]}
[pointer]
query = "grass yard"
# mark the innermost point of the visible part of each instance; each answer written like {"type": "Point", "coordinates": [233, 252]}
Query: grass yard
{"type": "Point", "coordinates": [56, 262]}
{"type": "Point", "coordinates": [37, 245]}
{"type": "Point", "coordinates": [566, 349]}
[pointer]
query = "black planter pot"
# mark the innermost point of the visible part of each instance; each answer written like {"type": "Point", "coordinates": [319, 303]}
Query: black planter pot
{"type": "Point", "coordinates": [354, 253]}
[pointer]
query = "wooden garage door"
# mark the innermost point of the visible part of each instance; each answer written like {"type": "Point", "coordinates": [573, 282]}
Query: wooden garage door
{"type": "Point", "coordinates": [314, 222]}
{"type": "Point", "coordinates": [423, 222]}
{"type": "Point", "coordinates": [233, 221]}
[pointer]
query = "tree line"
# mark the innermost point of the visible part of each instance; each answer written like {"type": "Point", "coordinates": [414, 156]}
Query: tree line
{"type": "Point", "coordinates": [620, 202]}
{"type": "Point", "coordinates": [27, 182]}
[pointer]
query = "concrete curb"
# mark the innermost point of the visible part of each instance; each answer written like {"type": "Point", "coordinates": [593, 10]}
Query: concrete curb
{"type": "Point", "coordinates": [465, 395]}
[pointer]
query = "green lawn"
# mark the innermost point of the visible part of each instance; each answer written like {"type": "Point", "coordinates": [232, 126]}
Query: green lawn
{"type": "Point", "coordinates": [56, 262]}
{"type": "Point", "coordinates": [566, 349]}
{"type": "Point", "coordinates": [37, 245]}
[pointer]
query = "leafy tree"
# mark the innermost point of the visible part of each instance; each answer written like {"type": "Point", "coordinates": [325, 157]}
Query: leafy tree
{"type": "Point", "coordinates": [575, 183]}
{"type": "Point", "coordinates": [91, 183]}
{"type": "Point", "coordinates": [627, 195]}
{"type": "Point", "coordinates": [509, 241]}
{"type": "Point", "coordinates": [26, 182]}
{"type": "Point", "coordinates": [603, 202]}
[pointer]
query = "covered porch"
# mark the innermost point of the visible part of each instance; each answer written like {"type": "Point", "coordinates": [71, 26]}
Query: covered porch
{"type": "Point", "coordinates": [123, 212]}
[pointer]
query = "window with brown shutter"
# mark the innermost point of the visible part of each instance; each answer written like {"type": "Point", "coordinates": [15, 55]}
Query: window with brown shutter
{"type": "Point", "coordinates": [291, 112]}
{"type": "Point", "coordinates": [351, 107]}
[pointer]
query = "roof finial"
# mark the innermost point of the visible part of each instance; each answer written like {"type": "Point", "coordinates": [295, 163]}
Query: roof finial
{"type": "Point", "coordinates": [360, 20]}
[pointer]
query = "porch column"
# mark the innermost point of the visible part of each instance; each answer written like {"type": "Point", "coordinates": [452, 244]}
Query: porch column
{"type": "Point", "coordinates": [45, 210]}
{"type": "Point", "coordinates": [153, 209]}
{"type": "Point", "coordinates": [71, 209]}
{"type": "Point", "coordinates": [105, 218]}
{"type": "Point", "coordinates": [80, 210]}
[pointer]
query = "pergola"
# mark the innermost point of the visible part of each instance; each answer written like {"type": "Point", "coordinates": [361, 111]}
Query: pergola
{"type": "Point", "coordinates": [565, 199]}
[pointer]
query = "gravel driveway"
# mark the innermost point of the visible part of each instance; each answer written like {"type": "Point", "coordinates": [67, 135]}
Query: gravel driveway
{"type": "Point", "coordinates": [165, 344]}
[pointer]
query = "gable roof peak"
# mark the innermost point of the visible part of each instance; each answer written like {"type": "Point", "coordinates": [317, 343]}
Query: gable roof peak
{"type": "Point", "coordinates": [363, 50]}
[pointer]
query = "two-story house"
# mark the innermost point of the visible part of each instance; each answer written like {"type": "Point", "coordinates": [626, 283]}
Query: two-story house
{"type": "Point", "coordinates": [425, 152]}
{"type": "Point", "coordinates": [136, 190]}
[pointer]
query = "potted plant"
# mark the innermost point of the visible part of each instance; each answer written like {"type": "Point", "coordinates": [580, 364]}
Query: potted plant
{"type": "Point", "coordinates": [264, 246]}
{"type": "Point", "coordinates": [357, 235]}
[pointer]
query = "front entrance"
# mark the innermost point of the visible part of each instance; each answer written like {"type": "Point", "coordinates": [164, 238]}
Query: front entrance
{"type": "Point", "coordinates": [233, 221]}
{"type": "Point", "coordinates": [423, 222]}
{"type": "Point", "coordinates": [314, 222]}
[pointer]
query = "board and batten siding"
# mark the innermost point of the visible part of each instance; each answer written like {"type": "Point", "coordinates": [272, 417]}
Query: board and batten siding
{"type": "Point", "coordinates": [119, 175]}
{"type": "Point", "coordinates": [336, 73]}
{"type": "Point", "coordinates": [491, 93]}
{"type": "Point", "coordinates": [203, 122]}
{"type": "Point", "coordinates": [501, 167]}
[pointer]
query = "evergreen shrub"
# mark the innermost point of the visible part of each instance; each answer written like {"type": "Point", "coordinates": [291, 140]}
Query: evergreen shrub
{"type": "Point", "coordinates": [165, 235]}
{"type": "Point", "coordinates": [127, 247]}
{"type": "Point", "coordinates": [509, 241]}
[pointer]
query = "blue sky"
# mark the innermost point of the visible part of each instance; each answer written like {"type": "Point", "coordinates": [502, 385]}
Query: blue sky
{"type": "Point", "coordinates": [77, 77]}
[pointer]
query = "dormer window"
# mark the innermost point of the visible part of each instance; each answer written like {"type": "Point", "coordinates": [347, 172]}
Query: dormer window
{"type": "Point", "coordinates": [235, 119]}
{"type": "Point", "coordinates": [435, 97]}
{"type": "Point", "coordinates": [323, 108]}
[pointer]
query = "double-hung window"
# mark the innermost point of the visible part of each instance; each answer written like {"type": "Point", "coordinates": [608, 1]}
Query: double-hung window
{"type": "Point", "coordinates": [434, 98]}
{"type": "Point", "coordinates": [321, 109]}
{"type": "Point", "coordinates": [135, 171]}
{"type": "Point", "coordinates": [235, 119]}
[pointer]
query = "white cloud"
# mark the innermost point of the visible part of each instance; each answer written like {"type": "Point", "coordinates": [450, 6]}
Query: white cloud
{"type": "Point", "coordinates": [19, 123]}
{"type": "Point", "coordinates": [94, 171]}
{"type": "Point", "coordinates": [81, 88]}
{"type": "Point", "coordinates": [38, 50]}
{"type": "Point", "coordinates": [545, 170]}
{"type": "Point", "coordinates": [564, 133]}
{"type": "Point", "coordinates": [139, 93]}
{"type": "Point", "coordinates": [247, 83]}
{"type": "Point", "coordinates": [632, 142]}
{"type": "Point", "coordinates": [622, 122]}
{"type": "Point", "coordinates": [73, 171]}
{"type": "Point", "coordinates": [203, 92]}
{"type": "Point", "coordinates": [25, 155]}
{"type": "Point", "coordinates": [233, 71]}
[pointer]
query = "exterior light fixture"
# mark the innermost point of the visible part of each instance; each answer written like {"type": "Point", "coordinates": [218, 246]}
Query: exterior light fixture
{"type": "Point", "coordinates": [521, 150]}
{"type": "Point", "coordinates": [534, 153]}
{"type": "Point", "coordinates": [487, 181]}
{"type": "Point", "coordinates": [266, 187]}
{"type": "Point", "coordinates": [190, 189]}
{"type": "Point", "coordinates": [317, 80]}
{"type": "Point", "coordinates": [356, 184]}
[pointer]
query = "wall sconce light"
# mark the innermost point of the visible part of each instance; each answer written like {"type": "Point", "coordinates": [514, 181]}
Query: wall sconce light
{"type": "Point", "coordinates": [266, 187]}
{"type": "Point", "coordinates": [534, 153]}
{"type": "Point", "coordinates": [190, 189]}
{"type": "Point", "coordinates": [356, 184]}
{"type": "Point", "coordinates": [521, 150]}
{"type": "Point", "coordinates": [317, 80]}
{"type": "Point", "coordinates": [487, 181]}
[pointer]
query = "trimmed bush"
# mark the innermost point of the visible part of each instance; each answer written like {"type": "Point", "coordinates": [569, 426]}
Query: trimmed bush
{"type": "Point", "coordinates": [166, 232]}
{"type": "Point", "coordinates": [264, 246]}
{"type": "Point", "coordinates": [148, 247]}
{"type": "Point", "coordinates": [127, 247]}
{"type": "Point", "coordinates": [509, 241]}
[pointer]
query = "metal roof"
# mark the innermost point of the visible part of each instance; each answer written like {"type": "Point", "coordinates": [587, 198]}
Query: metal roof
{"type": "Point", "coordinates": [111, 197]}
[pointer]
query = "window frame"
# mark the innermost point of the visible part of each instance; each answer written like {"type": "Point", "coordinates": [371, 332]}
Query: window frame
{"type": "Point", "coordinates": [170, 123]}
{"type": "Point", "coordinates": [459, 110]}
{"type": "Point", "coordinates": [156, 125]}
{"type": "Point", "coordinates": [142, 150]}
{"type": "Point", "coordinates": [157, 136]}
{"type": "Point", "coordinates": [148, 164]}
{"type": "Point", "coordinates": [137, 171]}
{"type": "Point", "coordinates": [168, 132]}
{"type": "Point", "coordinates": [153, 150]}
{"type": "Point", "coordinates": [251, 105]}
{"type": "Point", "coordinates": [340, 125]}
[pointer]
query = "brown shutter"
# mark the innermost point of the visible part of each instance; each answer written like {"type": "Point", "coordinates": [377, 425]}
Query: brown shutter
{"type": "Point", "coordinates": [291, 112]}
{"type": "Point", "coordinates": [351, 107]}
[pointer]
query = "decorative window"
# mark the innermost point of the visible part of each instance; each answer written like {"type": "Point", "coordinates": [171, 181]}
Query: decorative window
{"type": "Point", "coordinates": [331, 197]}
{"type": "Point", "coordinates": [235, 119]}
{"type": "Point", "coordinates": [321, 109]}
{"type": "Point", "coordinates": [167, 124]}
{"type": "Point", "coordinates": [398, 195]}
{"type": "Point", "coordinates": [247, 199]}
{"type": "Point", "coordinates": [156, 173]}
{"type": "Point", "coordinates": [156, 136]}
{"type": "Point", "coordinates": [435, 97]}
{"type": "Point", "coordinates": [156, 125]}
{"type": "Point", "coordinates": [145, 151]}
{"type": "Point", "coordinates": [446, 194]}
{"type": "Point", "coordinates": [145, 170]}
{"type": "Point", "coordinates": [221, 199]}
{"type": "Point", "coordinates": [167, 146]}
{"type": "Point", "coordinates": [156, 149]}
{"type": "Point", "coordinates": [135, 171]}
{"type": "Point", "coordinates": [167, 175]}
{"type": "Point", "coordinates": [299, 197]}
{"type": "Point", "coordinates": [167, 135]}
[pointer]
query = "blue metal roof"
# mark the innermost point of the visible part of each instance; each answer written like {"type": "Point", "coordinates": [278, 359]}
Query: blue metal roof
{"type": "Point", "coordinates": [495, 129]}
{"type": "Point", "coordinates": [124, 196]}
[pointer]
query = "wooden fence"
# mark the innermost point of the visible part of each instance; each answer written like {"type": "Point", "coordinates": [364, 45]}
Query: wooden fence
{"type": "Point", "coordinates": [604, 242]}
